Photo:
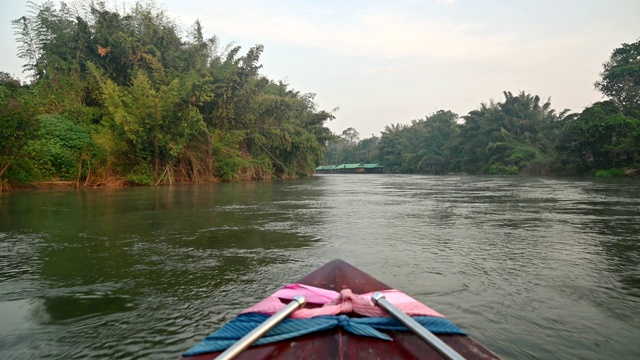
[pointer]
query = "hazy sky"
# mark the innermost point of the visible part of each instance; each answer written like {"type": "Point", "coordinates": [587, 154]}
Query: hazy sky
{"type": "Point", "coordinates": [384, 62]}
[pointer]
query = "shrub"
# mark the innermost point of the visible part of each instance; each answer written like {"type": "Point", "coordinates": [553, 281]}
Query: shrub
{"type": "Point", "coordinates": [141, 175]}
{"type": "Point", "coordinates": [611, 173]}
{"type": "Point", "coordinates": [499, 169]}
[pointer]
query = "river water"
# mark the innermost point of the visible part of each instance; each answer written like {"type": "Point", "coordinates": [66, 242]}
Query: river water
{"type": "Point", "coordinates": [534, 268]}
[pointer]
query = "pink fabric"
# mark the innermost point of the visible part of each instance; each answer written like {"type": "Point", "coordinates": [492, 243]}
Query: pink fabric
{"type": "Point", "coordinates": [334, 303]}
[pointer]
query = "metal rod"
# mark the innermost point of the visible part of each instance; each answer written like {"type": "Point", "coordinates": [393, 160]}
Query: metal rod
{"type": "Point", "coordinates": [424, 334]}
{"type": "Point", "coordinates": [255, 334]}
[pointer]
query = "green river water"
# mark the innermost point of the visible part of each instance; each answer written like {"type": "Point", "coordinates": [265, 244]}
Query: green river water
{"type": "Point", "coordinates": [533, 268]}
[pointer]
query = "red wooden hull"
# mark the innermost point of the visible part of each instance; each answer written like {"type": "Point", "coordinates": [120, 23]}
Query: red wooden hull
{"type": "Point", "coordinates": [338, 344]}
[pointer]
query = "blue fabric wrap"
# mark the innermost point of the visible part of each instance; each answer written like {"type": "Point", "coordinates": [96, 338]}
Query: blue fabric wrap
{"type": "Point", "coordinates": [290, 328]}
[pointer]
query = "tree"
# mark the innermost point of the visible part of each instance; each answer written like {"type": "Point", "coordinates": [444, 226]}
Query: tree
{"type": "Point", "coordinates": [601, 137]}
{"type": "Point", "coordinates": [367, 150]}
{"type": "Point", "coordinates": [393, 146]}
{"type": "Point", "coordinates": [18, 126]}
{"type": "Point", "coordinates": [151, 103]}
{"type": "Point", "coordinates": [61, 149]}
{"type": "Point", "coordinates": [351, 135]}
{"type": "Point", "coordinates": [7, 79]}
{"type": "Point", "coordinates": [509, 135]}
{"type": "Point", "coordinates": [347, 148]}
{"type": "Point", "coordinates": [620, 79]}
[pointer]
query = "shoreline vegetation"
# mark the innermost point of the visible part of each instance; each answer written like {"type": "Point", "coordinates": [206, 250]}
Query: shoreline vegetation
{"type": "Point", "coordinates": [519, 135]}
{"type": "Point", "coordinates": [121, 98]}
{"type": "Point", "coordinates": [126, 98]}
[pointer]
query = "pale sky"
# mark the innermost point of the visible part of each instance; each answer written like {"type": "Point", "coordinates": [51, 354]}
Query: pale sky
{"type": "Point", "coordinates": [384, 62]}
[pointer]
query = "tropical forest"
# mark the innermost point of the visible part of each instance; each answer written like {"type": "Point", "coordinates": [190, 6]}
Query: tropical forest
{"type": "Point", "coordinates": [130, 97]}
{"type": "Point", "coordinates": [122, 98]}
{"type": "Point", "coordinates": [520, 134]}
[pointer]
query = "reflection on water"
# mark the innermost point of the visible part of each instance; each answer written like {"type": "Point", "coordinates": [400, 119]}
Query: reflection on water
{"type": "Point", "coordinates": [533, 268]}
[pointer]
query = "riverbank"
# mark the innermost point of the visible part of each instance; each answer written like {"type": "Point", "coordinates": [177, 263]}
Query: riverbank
{"type": "Point", "coordinates": [114, 183]}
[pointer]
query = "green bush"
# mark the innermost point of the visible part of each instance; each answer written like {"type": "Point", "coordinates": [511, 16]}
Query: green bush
{"type": "Point", "coordinates": [611, 173]}
{"type": "Point", "coordinates": [138, 179]}
{"type": "Point", "coordinates": [61, 146]}
{"type": "Point", "coordinates": [141, 175]}
{"type": "Point", "coordinates": [229, 166]}
{"type": "Point", "coordinates": [499, 169]}
{"type": "Point", "coordinates": [523, 155]}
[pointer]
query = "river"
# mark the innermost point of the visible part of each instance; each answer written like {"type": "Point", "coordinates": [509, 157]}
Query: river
{"type": "Point", "coordinates": [533, 268]}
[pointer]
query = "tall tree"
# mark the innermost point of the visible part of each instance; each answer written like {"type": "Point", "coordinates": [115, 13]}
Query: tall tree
{"type": "Point", "coordinates": [392, 146]}
{"type": "Point", "coordinates": [620, 79]}
{"type": "Point", "coordinates": [351, 135]}
{"type": "Point", "coordinates": [601, 137]}
{"type": "Point", "coordinates": [18, 127]}
{"type": "Point", "coordinates": [505, 137]}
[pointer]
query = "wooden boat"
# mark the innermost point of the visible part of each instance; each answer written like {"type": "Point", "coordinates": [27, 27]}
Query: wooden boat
{"type": "Point", "coordinates": [339, 344]}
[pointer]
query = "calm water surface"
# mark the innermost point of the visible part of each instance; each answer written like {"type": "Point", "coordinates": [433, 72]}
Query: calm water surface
{"type": "Point", "coordinates": [533, 268]}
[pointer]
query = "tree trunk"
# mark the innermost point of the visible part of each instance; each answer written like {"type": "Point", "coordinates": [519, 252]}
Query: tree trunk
{"type": "Point", "coordinates": [4, 169]}
{"type": "Point", "coordinates": [4, 184]}
{"type": "Point", "coordinates": [86, 181]}
{"type": "Point", "coordinates": [79, 173]}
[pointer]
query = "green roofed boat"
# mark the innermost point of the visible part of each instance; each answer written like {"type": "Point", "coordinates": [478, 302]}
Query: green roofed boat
{"type": "Point", "coordinates": [359, 168]}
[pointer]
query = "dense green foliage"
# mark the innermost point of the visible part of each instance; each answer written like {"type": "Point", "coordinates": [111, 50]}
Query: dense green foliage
{"type": "Point", "coordinates": [620, 79]}
{"type": "Point", "coordinates": [520, 134]}
{"type": "Point", "coordinates": [601, 137]}
{"type": "Point", "coordinates": [60, 148]}
{"type": "Point", "coordinates": [123, 97]}
{"type": "Point", "coordinates": [126, 98]}
{"type": "Point", "coordinates": [500, 137]}
{"type": "Point", "coordinates": [347, 148]}
{"type": "Point", "coordinates": [18, 126]}
{"type": "Point", "coordinates": [610, 173]}
{"type": "Point", "coordinates": [419, 146]}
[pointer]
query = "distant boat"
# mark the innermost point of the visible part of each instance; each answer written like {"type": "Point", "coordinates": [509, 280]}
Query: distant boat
{"type": "Point", "coordinates": [352, 313]}
{"type": "Point", "coordinates": [359, 168]}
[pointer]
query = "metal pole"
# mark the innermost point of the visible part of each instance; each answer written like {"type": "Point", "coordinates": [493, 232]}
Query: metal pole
{"type": "Point", "coordinates": [424, 334]}
{"type": "Point", "coordinates": [255, 334]}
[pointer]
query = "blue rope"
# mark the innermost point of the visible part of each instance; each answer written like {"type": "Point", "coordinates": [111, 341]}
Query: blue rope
{"type": "Point", "coordinates": [289, 328]}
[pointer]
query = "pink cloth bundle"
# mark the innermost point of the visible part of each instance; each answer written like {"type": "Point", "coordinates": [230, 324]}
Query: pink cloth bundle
{"type": "Point", "coordinates": [334, 303]}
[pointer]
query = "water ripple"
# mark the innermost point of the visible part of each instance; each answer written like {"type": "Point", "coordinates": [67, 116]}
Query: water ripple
{"type": "Point", "coordinates": [531, 267]}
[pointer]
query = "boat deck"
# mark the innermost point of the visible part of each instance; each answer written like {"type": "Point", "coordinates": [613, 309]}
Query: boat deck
{"type": "Point", "coordinates": [339, 344]}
